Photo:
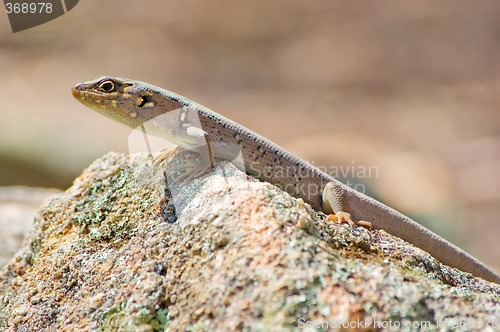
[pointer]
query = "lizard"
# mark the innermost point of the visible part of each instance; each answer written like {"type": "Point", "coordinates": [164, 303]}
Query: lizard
{"type": "Point", "coordinates": [134, 103]}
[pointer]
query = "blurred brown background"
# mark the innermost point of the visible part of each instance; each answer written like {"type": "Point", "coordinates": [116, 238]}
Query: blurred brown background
{"type": "Point", "coordinates": [409, 88]}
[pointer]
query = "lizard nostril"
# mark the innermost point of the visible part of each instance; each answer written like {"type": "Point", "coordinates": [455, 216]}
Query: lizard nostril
{"type": "Point", "coordinates": [75, 91]}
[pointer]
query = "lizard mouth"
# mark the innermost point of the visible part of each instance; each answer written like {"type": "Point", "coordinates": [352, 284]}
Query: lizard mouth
{"type": "Point", "coordinates": [93, 99]}
{"type": "Point", "coordinates": [83, 93]}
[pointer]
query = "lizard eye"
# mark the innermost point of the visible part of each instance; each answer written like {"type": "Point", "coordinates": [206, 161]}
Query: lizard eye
{"type": "Point", "coordinates": [107, 86]}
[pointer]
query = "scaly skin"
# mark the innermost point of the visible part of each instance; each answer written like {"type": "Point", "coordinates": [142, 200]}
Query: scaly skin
{"type": "Point", "coordinates": [135, 103]}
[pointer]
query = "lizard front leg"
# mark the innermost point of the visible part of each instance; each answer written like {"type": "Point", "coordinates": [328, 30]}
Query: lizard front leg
{"type": "Point", "coordinates": [333, 203]}
{"type": "Point", "coordinates": [204, 148]}
{"type": "Point", "coordinates": [202, 145]}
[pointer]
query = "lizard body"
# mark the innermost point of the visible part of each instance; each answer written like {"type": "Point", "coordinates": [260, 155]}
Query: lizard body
{"type": "Point", "coordinates": [134, 103]}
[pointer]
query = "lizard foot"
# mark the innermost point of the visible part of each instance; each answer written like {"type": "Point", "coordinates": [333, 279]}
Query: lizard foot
{"type": "Point", "coordinates": [193, 172]}
{"type": "Point", "coordinates": [344, 217]}
{"type": "Point", "coordinates": [341, 217]}
{"type": "Point", "coordinates": [162, 156]}
{"type": "Point", "coordinates": [190, 171]}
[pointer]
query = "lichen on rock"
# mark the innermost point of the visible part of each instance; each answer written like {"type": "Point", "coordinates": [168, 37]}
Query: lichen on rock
{"type": "Point", "coordinates": [114, 253]}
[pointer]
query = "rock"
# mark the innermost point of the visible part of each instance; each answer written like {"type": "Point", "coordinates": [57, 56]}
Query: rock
{"type": "Point", "coordinates": [115, 252]}
{"type": "Point", "coordinates": [18, 206]}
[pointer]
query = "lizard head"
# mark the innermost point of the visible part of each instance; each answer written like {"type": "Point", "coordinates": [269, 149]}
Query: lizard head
{"type": "Point", "coordinates": [129, 102]}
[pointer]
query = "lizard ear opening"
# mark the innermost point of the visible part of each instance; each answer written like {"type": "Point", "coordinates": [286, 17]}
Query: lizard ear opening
{"type": "Point", "coordinates": [144, 101]}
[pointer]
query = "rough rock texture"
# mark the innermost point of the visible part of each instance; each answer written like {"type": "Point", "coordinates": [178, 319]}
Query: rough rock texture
{"type": "Point", "coordinates": [18, 206]}
{"type": "Point", "coordinates": [113, 253]}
